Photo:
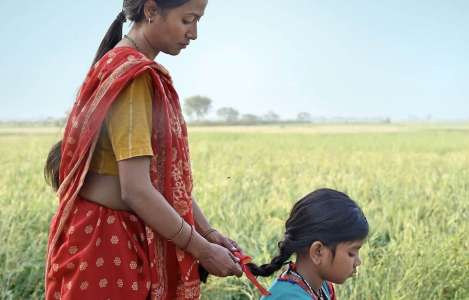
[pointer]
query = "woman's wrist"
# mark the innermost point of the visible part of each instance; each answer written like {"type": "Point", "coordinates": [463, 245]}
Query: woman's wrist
{"type": "Point", "coordinates": [206, 234]}
{"type": "Point", "coordinates": [202, 227]}
{"type": "Point", "coordinates": [180, 231]}
{"type": "Point", "coordinates": [198, 245]}
{"type": "Point", "coordinates": [191, 235]}
{"type": "Point", "coordinates": [189, 240]}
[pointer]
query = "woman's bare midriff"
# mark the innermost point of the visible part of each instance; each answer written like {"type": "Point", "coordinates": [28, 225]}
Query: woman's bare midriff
{"type": "Point", "coordinates": [104, 190]}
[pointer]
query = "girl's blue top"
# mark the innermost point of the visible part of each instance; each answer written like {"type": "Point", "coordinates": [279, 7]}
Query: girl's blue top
{"type": "Point", "coordinates": [285, 290]}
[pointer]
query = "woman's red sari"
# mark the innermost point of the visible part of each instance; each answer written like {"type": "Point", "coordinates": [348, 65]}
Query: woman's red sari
{"type": "Point", "coordinates": [169, 273]}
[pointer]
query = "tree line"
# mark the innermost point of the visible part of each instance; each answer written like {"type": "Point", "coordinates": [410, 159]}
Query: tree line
{"type": "Point", "coordinates": [197, 107]}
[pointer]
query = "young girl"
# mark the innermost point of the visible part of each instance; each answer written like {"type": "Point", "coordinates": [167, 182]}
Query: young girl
{"type": "Point", "coordinates": [325, 230]}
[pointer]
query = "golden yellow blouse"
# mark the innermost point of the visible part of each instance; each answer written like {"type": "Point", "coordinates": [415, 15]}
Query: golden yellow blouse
{"type": "Point", "coordinates": [126, 131]}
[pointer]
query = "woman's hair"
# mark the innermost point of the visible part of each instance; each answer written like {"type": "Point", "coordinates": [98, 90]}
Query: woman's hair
{"type": "Point", "coordinates": [133, 10]}
{"type": "Point", "coordinates": [324, 215]}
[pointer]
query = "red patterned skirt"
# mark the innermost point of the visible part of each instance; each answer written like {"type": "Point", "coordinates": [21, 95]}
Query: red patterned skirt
{"type": "Point", "coordinates": [103, 254]}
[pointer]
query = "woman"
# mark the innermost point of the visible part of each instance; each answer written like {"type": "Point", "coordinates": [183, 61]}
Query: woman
{"type": "Point", "coordinates": [127, 226]}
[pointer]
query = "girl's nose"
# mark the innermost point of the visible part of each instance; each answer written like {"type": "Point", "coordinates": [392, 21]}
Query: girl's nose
{"type": "Point", "coordinates": [358, 262]}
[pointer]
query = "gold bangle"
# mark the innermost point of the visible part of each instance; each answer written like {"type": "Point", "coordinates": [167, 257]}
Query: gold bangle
{"type": "Point", "coordinates": [179, 231]}
{"type": "Point", "coordinates": [208, 232]}
{"type": "Point", "coordinates": [190, 239]}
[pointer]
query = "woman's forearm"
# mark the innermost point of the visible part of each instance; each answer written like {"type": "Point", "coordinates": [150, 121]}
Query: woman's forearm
{"type": "Point", "coordinates": [201, 222]}
{"type": "Point", "coordinates": [150, 205]}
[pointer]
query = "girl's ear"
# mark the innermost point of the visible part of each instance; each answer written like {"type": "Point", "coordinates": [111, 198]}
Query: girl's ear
{"type": "Point", "coordinates": [316, 252]}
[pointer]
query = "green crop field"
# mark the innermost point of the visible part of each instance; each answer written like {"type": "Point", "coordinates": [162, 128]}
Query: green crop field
{"type": "Point", "coordinates": [411, 180]}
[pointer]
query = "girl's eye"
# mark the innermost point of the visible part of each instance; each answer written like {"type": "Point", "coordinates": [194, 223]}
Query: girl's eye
{"type": "Point", "coordinates": [351, 254]}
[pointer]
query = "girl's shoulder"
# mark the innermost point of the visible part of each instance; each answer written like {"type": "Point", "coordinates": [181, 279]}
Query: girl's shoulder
{"type": "Point", "coordinates": [281, 290]}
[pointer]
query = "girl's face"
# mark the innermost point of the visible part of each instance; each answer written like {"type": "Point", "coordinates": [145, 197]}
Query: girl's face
{"type": "Point", "coordinates": [172, 31]}
{"type": "Point", "coordinates": [344, 264]}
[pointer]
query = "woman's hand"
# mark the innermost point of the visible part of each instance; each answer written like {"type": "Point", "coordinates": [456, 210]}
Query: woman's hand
{"type": "Point", "coordinates": [217, 238]}
{"type": "Point", "coordinates": [219, 261]}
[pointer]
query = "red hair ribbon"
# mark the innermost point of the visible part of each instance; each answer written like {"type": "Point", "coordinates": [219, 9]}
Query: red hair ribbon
{"type": "Point", "coordinates": [244, 260]}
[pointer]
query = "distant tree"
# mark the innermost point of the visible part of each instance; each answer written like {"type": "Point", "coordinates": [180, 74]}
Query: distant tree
{"type": "Point", "coordinates": [250, 118]}
{"type": "Point", "coordinates": [271, 117]}
{"type": "Point", "coordinates": [304, 117]}
{"type": "Point", "coordinates": [228, 114]}
{"type": "Point", "coordinates": [197, 105]}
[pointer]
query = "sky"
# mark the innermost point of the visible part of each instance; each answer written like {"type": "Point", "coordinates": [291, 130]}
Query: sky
{"type": "Point", "coordinates": [357, 58]}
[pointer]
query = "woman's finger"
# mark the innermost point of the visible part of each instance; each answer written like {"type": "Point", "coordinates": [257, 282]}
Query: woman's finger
{"type": "Point", "coordinates": [228, 244]}
{"type": "Point", "coordinates": [236, 269]}
{"type": "Point", "coordinates": [235, 245]}
{"type": "Point", "coordinates": [234, 258]}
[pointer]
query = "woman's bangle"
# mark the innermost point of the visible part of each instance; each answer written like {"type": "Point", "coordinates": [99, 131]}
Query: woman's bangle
{"type": "Point", "coordinates": [190, 239]}
{"type": "Point", "coordinates": [208, 232]}
{"type": "Point", "coordinates": [179, 231]}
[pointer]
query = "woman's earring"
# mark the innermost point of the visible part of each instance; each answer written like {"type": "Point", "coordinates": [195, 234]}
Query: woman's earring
{"type": "Point", "coordinates": [149, 20]}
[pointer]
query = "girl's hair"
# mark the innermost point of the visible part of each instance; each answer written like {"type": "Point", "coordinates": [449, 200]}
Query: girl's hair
{"type": "Point", "coordinates": [132, 10]}
{"type": "Point", "coordinates": [52, 167]}
{"type": "Point", "coordinates": [324, 215]}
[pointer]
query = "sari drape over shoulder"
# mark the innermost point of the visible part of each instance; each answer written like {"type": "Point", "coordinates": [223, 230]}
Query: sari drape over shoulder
{"type": "Point", "coordinates": [170, 173]}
